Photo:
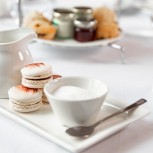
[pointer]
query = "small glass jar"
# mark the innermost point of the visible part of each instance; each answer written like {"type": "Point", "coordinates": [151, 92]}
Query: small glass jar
{"type": "Point", "coordinates": [63, 20]}
{"type": "Point", "coordinates": [83, 12]}
{"type": "Point", "coordinates": [84, 30]}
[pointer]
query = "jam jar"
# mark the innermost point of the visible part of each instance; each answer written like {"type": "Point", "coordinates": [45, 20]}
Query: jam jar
{"type": "Point", "coordinates": [63, 20]}
{"type": "Point", "coordinates": [83, 12]}
{"type": "Point", "coordinates": [84, 29]}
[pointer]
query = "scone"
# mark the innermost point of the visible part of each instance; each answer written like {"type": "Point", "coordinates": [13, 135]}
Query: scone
{"type": "Point", "coordinates": [36, 75]}
{"type": "Point", "coordinates": [23, 99]}
{"type": "Point", "coordinates": [40, 24]}
{"type": "Point", "coordinates": [107, 27]}
{"type": "Point", "coordinates": [43, 29]}
{"type": "Point", "coordinates": [107, 30]}
{"type": "Point", "coordinates": [104, 14]}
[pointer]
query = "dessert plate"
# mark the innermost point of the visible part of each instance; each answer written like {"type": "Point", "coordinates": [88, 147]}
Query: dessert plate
{"type": "Point", "coordinates": [70, 43]}
{"type": "Point", "coordinates": [44, 123]}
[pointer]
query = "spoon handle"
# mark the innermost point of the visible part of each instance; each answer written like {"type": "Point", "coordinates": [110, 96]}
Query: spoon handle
{"type": "Point", "coordinates": [132, 106]}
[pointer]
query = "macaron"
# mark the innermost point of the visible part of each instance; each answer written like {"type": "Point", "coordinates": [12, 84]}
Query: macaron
{"type": "Point", "coordinates": [56, 76]}
{"type": "Point", "coordinates": [44, 97]}
{"type": "Point", "coordinates": [23, 99]}
{"type": "Point", "coordinates": [36, 75]}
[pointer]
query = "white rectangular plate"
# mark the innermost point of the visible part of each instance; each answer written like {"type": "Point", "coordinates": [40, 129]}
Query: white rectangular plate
{"type": "Point", "coordinates": [44, 123]}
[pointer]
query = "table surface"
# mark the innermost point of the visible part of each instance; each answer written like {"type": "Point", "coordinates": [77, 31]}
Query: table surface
{"type": "Point", "coordinates": [127, 82]}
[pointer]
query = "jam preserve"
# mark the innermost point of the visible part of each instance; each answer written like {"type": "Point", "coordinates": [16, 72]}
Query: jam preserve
{"type": "Point", "coordinates": [84, 30]}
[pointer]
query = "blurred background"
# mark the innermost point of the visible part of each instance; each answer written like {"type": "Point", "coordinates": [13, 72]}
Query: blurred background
{"type": "Point", "coordinates": [130, 12]}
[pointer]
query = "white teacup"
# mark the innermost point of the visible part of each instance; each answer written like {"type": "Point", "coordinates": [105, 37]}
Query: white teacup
{"type": "Point", "coordinates": [76, 100]}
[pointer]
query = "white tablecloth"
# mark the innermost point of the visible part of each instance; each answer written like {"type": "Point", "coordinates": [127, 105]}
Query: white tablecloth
{"type": "Point", "coordinates": [127, 82]}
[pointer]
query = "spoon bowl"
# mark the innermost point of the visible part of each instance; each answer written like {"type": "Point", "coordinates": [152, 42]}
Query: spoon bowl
{"type": "Point", "coordinates": [80, 131]}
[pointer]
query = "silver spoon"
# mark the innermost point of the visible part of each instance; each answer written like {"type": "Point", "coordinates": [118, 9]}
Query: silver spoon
{"type": "Point", "coordinates": [81, 131]}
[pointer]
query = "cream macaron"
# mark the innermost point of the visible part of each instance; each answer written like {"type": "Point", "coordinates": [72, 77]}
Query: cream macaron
{"type": "Point", "coordinates": [56, 76]}
{"type": "Point", "coordinates": [23, 99]}
{"type": "Point", "coordinates": [36, 75]}
{"type": "Point", "coordinates": [44, 97]}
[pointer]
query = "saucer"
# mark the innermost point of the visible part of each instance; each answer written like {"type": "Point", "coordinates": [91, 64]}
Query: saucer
{"type": "Point", "coordinates": [44, 123]}
{"type": "Point", "coordinates": [70, 43]}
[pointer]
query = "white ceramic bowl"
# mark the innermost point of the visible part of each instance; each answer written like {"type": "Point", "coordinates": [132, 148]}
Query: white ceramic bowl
{"type": "Point", "coordinates": [76, 112]}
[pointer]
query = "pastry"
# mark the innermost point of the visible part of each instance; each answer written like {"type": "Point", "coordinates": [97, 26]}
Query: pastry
{"type": "Point", "coordinates": [36, 75]}
{"type": "Point", "coordinates": [23, 99]}
{"type": "Point", "coordinates": [107, 27]}
{"type": "Point", "coordinates": [104, 14]}
{"type": "Point", "coordinates": [41, 25]}
{"type": "Point", "coordinates": [107, 30]}
{"type": "Point", "coordinates": [43, 29]}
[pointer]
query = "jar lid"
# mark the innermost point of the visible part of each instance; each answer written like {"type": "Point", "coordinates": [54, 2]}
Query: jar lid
{"type": "Point", "coordinates": [85, 23]}
{"type": "Point", "coordinates": [57, 12]}
{"type": "Point", "coordinates": [82, 9]}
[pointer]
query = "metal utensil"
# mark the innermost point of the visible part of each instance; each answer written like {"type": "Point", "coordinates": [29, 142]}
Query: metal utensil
{"type": "Point", "coordinates": [20, 13]}
{"type": "Point", "coordinates": [119, 48]}
{"type": "Point", "coordinates": [81, 131]}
